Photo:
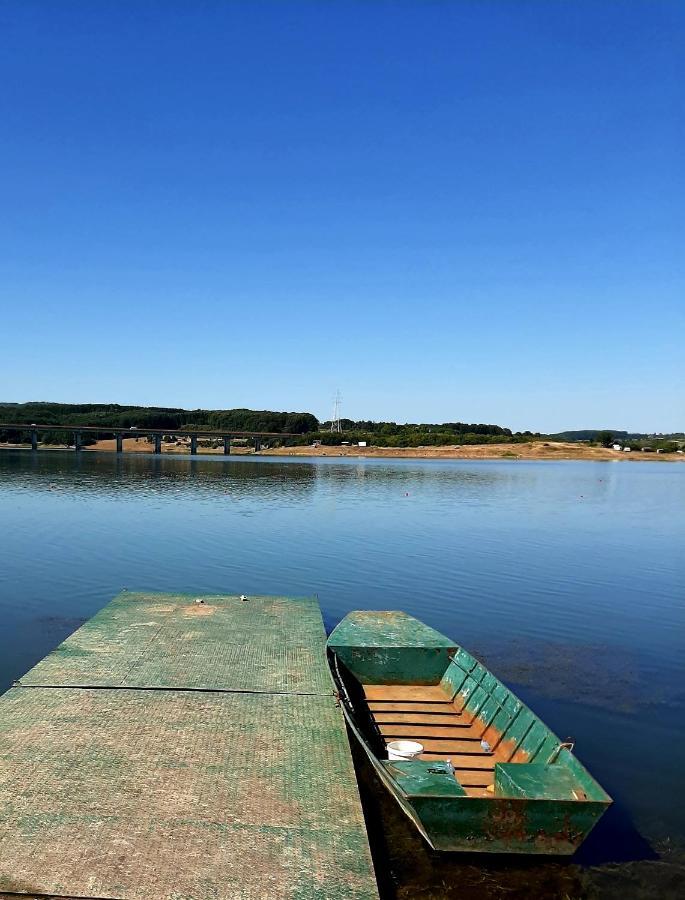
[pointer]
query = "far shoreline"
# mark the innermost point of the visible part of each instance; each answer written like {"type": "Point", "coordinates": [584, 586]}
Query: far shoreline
{"type": "Point", "coordinates": [531, 450]}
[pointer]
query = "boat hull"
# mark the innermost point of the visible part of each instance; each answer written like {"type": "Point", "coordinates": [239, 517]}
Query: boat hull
{"type": "Point", "coordinates": [491, 776]}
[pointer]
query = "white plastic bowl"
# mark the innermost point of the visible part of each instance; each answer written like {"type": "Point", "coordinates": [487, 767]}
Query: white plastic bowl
{"type": "Point", "coordinates": [404, 749]}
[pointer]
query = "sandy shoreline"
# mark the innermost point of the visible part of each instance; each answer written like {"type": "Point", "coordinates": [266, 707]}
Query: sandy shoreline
{"type": "Point", "coordinates": [538, 450]}
{"type": "Point", "coordinates": [544, 450]}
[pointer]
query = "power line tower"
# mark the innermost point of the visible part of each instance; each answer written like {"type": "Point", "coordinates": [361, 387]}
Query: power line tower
{"type": "Point", "coordinates": [335, 421]}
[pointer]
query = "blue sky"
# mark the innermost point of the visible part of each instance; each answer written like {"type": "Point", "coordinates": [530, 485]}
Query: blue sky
{"type": "Point", "coordinates": [449, 211]}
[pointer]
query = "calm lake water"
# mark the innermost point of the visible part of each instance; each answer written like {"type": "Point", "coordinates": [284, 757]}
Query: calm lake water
{"type": "Point", "coordinates": [567, 579]}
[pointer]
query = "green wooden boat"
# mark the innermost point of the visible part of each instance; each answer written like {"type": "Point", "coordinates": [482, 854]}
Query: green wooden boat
{"type": "Point", "coordinates": [489, 775]}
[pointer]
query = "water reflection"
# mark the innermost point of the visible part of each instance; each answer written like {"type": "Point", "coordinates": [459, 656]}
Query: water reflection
{"type": "Point", "coordinates": [109, 475]}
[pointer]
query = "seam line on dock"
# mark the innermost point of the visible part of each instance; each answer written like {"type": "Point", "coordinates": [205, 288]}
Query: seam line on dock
{"type": "Point", "coordinates": [30, 895]}
{"type": "Point", "coordinates": [191, 690]}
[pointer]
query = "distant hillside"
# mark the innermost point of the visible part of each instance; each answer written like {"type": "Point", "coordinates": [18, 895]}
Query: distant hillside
{"type": "Point", "coordinates": [305, 426]}
{"type": "Point", "coordinates": [591, 434]}
{"type": "Point", "coordinates": [111, 415]}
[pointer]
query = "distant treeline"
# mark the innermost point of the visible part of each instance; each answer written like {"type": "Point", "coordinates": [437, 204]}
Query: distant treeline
{"type": "Point", "coordinates": [636, 440]}
{"type": "Point", "coordinates": [592, 434]}
{"type": "Point", "coordinates": [112, 416]}
{"type": "Point", "coordinates": [392, 434]}
{"type": "Point", "coordinates": [304, 426]}
{"type": "Point", "coordinates": [391, 428]}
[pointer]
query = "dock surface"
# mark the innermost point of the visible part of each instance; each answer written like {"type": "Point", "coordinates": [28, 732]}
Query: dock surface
{"type": "Point", "coordinates": [183, 751]}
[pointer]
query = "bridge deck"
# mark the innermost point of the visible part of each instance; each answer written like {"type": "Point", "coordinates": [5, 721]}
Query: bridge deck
{"type": "Point", "coordinates": [174, 749]}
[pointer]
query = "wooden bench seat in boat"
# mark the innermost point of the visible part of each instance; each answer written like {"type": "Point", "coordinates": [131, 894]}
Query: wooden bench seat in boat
{"type": "Point", "coordinates": [429, 715]}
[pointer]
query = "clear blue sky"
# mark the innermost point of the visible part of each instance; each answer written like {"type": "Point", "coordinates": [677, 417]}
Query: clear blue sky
{"type": "Point", "coordinates": [465, 210]}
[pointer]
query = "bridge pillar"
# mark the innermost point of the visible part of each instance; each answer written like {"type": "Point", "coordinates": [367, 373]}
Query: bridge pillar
{"type": "Point", "coordinates": [193, 443]}
{"type": "Point", "coordinates": [227, 445]}
{"type": "Point", "coordinates": [77, 441]}
{"type": "Point", "coordinates": [257, 444]}
{"type": "Point", "coordinates": [158, 443]}
{"type": "Point", "coordinates": [34, 439]}
{"type": "Point", "coordinates": [120, 442]}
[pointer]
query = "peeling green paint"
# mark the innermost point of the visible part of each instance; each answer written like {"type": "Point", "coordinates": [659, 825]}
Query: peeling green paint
{"type": "Point", "coordinates": [391, 646]}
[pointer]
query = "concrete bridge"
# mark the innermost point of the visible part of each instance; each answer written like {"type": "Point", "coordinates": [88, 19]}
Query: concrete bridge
{"type": "Point", "coordinates": [155, 433]}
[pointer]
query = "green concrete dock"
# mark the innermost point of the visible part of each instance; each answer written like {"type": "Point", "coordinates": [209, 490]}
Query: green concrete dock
{"type": "Point", "coordinates": [182, 750]}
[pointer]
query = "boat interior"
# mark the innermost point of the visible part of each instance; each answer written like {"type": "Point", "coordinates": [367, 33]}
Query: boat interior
{"type": "Point", "coordinates": [469, 718]}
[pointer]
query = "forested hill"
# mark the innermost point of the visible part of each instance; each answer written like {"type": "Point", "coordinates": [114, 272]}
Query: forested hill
{"type": "Point", "coordinates": [303, 424]}
{"type": "Point", "coordinates": [111, 415]}
{"type": "Point", "coordinates": [606, 435]}
{"type": "Point", "coordinates": [591, 434]}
